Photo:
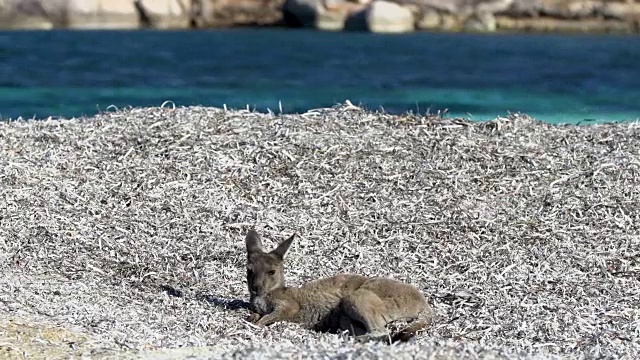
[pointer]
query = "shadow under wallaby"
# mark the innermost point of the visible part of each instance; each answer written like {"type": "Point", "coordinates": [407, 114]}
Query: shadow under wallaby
{"type": "Point", "coordinates": [361, 305]}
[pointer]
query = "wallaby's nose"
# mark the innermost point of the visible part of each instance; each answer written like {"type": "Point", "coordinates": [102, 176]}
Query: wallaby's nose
{"type": "Point", "coordinates": [254, 289]}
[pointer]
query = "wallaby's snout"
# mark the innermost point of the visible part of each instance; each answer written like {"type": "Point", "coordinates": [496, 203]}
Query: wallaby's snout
{"type": "Point", "coordinates": [265, 270]}
{"type": "Point", "coordinates": [264, 273]}
{"type": "Point", "coordinates": [254, 288]}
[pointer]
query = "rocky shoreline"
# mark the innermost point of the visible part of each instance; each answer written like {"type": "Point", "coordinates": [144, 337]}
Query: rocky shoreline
{"type": "Point", "coordinates": [380, 16]}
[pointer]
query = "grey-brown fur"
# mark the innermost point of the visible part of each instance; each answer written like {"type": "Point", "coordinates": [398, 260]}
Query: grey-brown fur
{"type": "Point", "coordinates": [344, 302]}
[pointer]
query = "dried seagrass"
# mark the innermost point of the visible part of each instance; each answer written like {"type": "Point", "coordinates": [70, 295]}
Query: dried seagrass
{"type": "Point", "coordinates": [129, 226]}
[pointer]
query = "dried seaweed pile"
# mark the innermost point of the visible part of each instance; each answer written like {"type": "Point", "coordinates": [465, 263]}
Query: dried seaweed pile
{"type": "Point", "coordinates": [130, 226]}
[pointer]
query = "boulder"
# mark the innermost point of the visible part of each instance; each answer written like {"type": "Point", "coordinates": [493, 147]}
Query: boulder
{"type": "Point", "coordinates": [225, 13]}
{"type": "Point", "coordinates": [443, 6]}
{"type": "Point", "coordinates": [388, 17]}
{"type": "Point", "coordinates": [523, 8]}
{"type": "Point", "coordinates": [567, 9]}
{"type": "Point", "coordinates": [429, 19]}
{"type": "Point", "coordinates": [555, 25]}
{"type": "Point", "coordinates": [322, 14]}
{"type": "Point", "coordinates": [480, 22]}
{"type": "Point", "coordinates": [494, 6]}
{"type": "Point", "coordinates": [331, 20]}
{"type": "Point", "coordinates": [450, 22]}
{"type": "Point", "coordinates": [302, 13]}
{"type": "Point", "coordinates": [371, 15]}
{"type": "Point", "coordinates": [101, 14]}
{"type": "Point", "coordinates": [24, 14]}
{"type": "Point", "coordinates": [622, 10]}
{"type": "Point", "coordinates": [340, 14]}
{"type": "Point", "coordinates": [164, 14]}
{"type": "Point", "coordinates": [584, 9]}
{"type": "Point", "coordinates": [95, 14]}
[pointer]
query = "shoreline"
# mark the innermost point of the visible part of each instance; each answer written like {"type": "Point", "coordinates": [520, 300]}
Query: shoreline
{"type": "Point", "coordinates": [515, 27]}
{"type": "Point", "coordinates": [572, 28]}
{"type": "Point", "coordinates": [377, 16]}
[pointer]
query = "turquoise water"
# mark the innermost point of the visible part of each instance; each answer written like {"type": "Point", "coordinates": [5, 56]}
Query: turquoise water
{"type": "Point", "coordinates": [556, 78]}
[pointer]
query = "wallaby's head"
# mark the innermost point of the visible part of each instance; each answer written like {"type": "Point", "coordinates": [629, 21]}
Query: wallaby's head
{"type": "Point", "coordinates": [265, 270]}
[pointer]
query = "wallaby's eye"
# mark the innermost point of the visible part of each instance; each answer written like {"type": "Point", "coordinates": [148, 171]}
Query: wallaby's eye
{"type": "Point", "coordinates": [272, 272]}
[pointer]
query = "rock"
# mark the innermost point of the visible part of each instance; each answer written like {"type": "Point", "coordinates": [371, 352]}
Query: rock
{"type": "Point", "coordinates": [492, 7]}
{"type": "Point", "coordinates": [523, 8]}
{"type": "Point", "coordinates": [322, 15]}
{"type": "Point", "coordinates": [548, 24]}
{"type": "Point", "coordinates": [429, 19]}
{"type": "Point", "coordinates": [101, 14]}
{"type": "Point", "coordinates": [622, 10]}
{"type": "Point", "coordinates": [583, 9]}
{"type": "Point", "coordinates": [480, 22]}
{"type": "Point", "coordinates": [564, 9]}
{"type": "Point", "coordinates": [302, 13]}
{"type": "Point", "coordinates": [91, 14]}
{"type": "Point", "coordinates": [340, 14]}
{"type": "Point", "coordinates": [164, 14]}
{"type": "Point", "coordinates": [443, 6]}
{"type": "Point", "coordinates": [450, 22]}
{"type": "Point", "coordinates": [133, 14]}
{"type": "Point", "coordinates": [377, 16]}
{"type": "Point", "coordinates": [26, 338]}
{"type": "Point", "coordinates": [357, 21]}
{"type": "Point", "coordinates": [330, 20]}
{"type": "Point", "coordinates": [225, 13]}
{"type": "Point", "coordinates": [388, 17]}
{"type": "Point", "coordinates": [20, 14]}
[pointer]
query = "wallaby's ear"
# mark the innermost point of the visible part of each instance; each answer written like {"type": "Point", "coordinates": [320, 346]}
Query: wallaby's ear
{"type": "Point", "coordinates": [282, 249]}
{"type": "Point", "coordinates": [254, 245]}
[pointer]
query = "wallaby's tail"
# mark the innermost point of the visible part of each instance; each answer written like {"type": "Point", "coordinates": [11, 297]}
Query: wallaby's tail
{"type": "Point", "coordinates": [424, 320]}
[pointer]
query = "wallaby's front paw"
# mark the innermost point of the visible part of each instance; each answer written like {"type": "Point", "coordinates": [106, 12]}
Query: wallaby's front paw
{"type": "Point", "coordinates": [265, 320]}
{"type": "Point", "coordinates": [253, 317]}
{"type": "Point", "coordinates": [374, 336]}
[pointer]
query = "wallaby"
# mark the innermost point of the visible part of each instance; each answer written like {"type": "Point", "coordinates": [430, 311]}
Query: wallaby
{"type": "Point", "coordinates": [361, 305]}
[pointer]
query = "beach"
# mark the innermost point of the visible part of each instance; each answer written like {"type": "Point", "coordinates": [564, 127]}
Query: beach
{"type": "Point", "coordinates": [122, 234]}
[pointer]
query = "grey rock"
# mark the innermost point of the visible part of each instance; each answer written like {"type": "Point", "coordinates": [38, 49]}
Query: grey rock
{"type": "Point", "coordinates": [389, 17]}
{"type": "Point", "coordinates": [481, 22]}
{"type": "Point", "coordinates": [302, 13]}
{"type": "Point", "coordinates": [101, 14]}
{"type": "Point", "coordinates": [429, 19]}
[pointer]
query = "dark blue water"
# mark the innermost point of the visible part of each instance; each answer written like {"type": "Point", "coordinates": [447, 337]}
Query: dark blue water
{"type": "Point", "coordinates": [556, 78]}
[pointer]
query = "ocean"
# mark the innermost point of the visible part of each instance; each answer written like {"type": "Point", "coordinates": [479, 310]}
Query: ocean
{"type": "Point", "coordinates": [555, 78]}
